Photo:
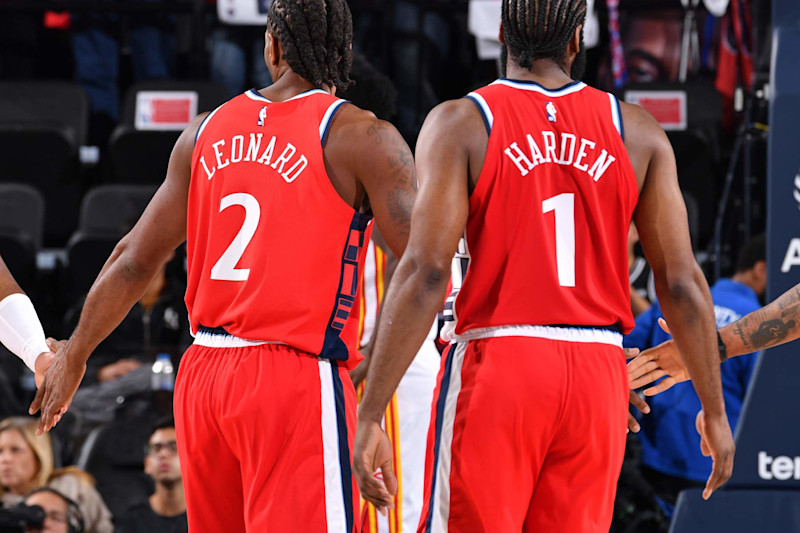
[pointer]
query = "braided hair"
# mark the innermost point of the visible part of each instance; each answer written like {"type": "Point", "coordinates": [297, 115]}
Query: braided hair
{"type": "Point", "coordinates": [538, 29]}
{"type": "Point", "coordinates": [317, 38]}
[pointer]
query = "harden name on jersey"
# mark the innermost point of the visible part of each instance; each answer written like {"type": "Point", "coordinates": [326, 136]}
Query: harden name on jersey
{"type": "Point", "coordinates": [234, 151]}
{"type": "Point", "coordinates": [565, 149]}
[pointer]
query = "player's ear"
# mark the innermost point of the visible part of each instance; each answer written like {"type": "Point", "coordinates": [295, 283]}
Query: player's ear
{"type": "Point", "coordinates": [273, 51]}
{"type": "Point", "coordinates": [575, 43]}
{"type": "Point", "coordinates": [501, 36]}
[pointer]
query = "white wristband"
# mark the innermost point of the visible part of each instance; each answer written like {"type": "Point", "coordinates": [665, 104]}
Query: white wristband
{"type": "Point", "coordinates": [20, 329]}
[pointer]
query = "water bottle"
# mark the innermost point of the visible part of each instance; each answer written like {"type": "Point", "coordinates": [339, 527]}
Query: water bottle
{"type": "Point", "coordinates": [163, 378]}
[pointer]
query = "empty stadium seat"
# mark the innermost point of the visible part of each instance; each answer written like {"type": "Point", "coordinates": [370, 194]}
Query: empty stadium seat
{"type": "Point", "coordinates": [140, 157]}
{"type": "Point", "coordinates": [22, 209]}
{"type": "Point", "coordinates": [114, 455]}
{"type": "Point", "coordinates": [44, 157]}
{"type": "Point", "coordinates": [113, 208]}
{"type": "Point", "coordinates": [57, 104]}
{"type": "Point", "coordinates": [86, 254]}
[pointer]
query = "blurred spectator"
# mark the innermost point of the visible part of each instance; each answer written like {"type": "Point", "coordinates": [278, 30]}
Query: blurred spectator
{"type": "Point", "coordinates": [671, 458]}
{"type": "Point", "coordinates": [238, 43]}
{"type": "Point", "coordinates": [372, 90]}
{"type": "Point", "coordinates": [165, 511]}
{"type": "Point", "coordinates": [26, 463]}
{"type": "Point", "coordinates": [96, 48]}
{"type": "Point", "coordinates": [158, 323]}
{"type": "Point", "coordinates": [62, 515]}
{"type": "Point", "coordinates": [120, 367]}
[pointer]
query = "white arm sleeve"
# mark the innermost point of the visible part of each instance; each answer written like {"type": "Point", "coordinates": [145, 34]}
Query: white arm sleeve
{"type": "Point", "coordinates": [20, 329]}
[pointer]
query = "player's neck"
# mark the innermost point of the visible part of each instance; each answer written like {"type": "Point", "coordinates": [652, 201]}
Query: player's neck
{"type": "Point", "coordinates": [545, 72]}
{"type": "Point", "coordinates": [288, 84]}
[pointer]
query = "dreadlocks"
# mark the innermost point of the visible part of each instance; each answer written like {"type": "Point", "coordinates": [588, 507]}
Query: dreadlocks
{"type": "Point", "coordinates": [317, 37]}
{"type": "Point", "coordinates": [538, 29]}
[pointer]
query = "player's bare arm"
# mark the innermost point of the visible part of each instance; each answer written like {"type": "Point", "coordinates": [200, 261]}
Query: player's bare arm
{"type": "Point", "coordinates": [359, 373]}
{"type": "Point", "coordinates": [445, 165]}
{"type": "Point", "coordinates": [372, 166]}
{"type": "Point", "coordinates": [20, 329]}
{"type": "Point", "coordinates": [772, 325]}
{"type": "Point", "coordinates": [122, 281]}
{"type": "Point", "coordinates": [680, 285]}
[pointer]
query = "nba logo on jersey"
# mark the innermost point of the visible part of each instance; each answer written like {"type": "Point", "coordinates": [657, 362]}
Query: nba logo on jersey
{"type": "Point", "coordinates": [262, 116]}
{"type": "Point", "coordinates": [551, 111]}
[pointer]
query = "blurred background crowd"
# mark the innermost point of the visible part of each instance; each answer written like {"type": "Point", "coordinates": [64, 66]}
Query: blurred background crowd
{"type": "Point", "coordinates": [94, 93]}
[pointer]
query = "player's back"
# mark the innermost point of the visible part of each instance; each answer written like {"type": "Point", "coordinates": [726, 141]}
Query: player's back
{"type": "Point", "coordinates": [273, 250]}
{"type": "Point", "coordinates": [549, 216]}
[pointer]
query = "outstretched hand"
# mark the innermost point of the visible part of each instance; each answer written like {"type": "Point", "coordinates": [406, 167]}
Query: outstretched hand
{"type": "Point", "coordinates": [662, 361]}
{"type": "Point", "coordinates": [61, 380]}
{"type": "Point", "coordinates": [372, 465]}
{"type": "Point", "coordinates": [635, 399]}
{"type": "Point", "coordinates": [716, 440]}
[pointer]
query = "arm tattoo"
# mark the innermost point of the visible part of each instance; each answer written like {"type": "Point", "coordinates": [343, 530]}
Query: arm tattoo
{"type": "Point", "coordinates": [771, 325]}
{"type": "Point", "coordinates": [401, 173]}
{"type": "Point", "coordinates": [739, 333]}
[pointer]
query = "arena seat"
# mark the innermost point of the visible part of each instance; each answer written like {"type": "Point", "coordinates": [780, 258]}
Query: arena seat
{"type": "Point", "coordinates": [46, 103]}
{"type": "Point", "coordinates": [114, 455]}
{"type": "Point", "coordinates": [22, 209]}
{"type": "Point", "coordinates": [113, 208]}
{"type": "Point", "coordinates": [46, 158]}
{"type": "Point", "coordinates": [86, 254]}
{"type": "Point", "coordinates": [140, 157]}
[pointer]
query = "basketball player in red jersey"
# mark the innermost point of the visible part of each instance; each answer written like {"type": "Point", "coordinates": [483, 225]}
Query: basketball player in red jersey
{"type": "Point", "coordinates": [542, 175]}
{"type": "Point", "coordinates": [269, 191]}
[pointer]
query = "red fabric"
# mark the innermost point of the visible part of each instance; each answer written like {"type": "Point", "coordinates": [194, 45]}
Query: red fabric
{"type": "Point", "coordinates": [304, 256]}
{"type": "Point", "coordinates": [735, 62]}
{"type": "Point", "coordinates": [538, 437]}
{"type": "Point", "coordinates": [250, 439]}
{"type": "Point", "coordinates": [512, 240]}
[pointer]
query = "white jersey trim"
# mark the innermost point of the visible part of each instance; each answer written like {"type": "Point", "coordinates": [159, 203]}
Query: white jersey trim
{"type": "Point", "coordinates": [616, 115]}
{"type": "Point", "coordinates": [487, 112]}
{"type": "Point", "coordinates": [216, 340]}
{"type": "Point", "coordinates": [327, 119]}
{"type": "Point", "coordinates": [535, 87]}
{"type": "Point", "coordinates": [588, 335]}
{"type": "Point", "coordinates": [335, 511]}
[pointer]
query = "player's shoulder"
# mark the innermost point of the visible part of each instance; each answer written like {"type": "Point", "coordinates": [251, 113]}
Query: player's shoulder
{"type": "Point", "coordinates": [456, 117]}
{"type": "Point", "coordinates": [354, 127]}
{"type": "Point", "coordinates": [639, 123]}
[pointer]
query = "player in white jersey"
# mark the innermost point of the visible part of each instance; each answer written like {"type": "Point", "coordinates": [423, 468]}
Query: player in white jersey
{"type": "Point", "coordinates": [408, 414]}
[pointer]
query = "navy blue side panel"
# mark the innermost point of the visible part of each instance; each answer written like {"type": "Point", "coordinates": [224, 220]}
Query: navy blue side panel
{"type": "Point", "coordinates": [333, 347]}
{"type": "Point", "coordinates": [344, 448]}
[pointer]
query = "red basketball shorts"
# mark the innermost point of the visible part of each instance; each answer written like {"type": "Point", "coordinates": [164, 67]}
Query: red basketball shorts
{"type": "Point", "coordinates": [527, 435]}
{"type": "Point", "coordinates": [265, 435]}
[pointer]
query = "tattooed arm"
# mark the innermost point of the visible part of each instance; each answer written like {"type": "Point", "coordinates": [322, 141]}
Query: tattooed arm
{"type": "Point", "coordinates": [775, 324]}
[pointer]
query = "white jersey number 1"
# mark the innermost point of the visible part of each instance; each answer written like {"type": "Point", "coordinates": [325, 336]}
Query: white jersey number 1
{"type": "Point", "coordinates": [564, 207]}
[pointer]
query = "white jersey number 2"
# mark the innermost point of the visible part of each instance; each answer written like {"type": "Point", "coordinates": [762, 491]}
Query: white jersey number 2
{"type": "Point", "coordinates": [225, 269]}
{"type": "Point", "coordinates": [564, 207]}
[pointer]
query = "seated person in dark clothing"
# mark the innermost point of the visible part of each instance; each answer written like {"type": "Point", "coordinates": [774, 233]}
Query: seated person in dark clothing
{"type": "Point", "coordinates": [165, 511]}
{"type": "Point", "coordinates": [158, 323]}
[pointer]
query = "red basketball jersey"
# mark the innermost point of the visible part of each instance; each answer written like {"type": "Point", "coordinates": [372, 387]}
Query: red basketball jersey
{"type": "Point", "coordinates": [548, 222]}
{"type": "Point", "coordinates": [274, 253]}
